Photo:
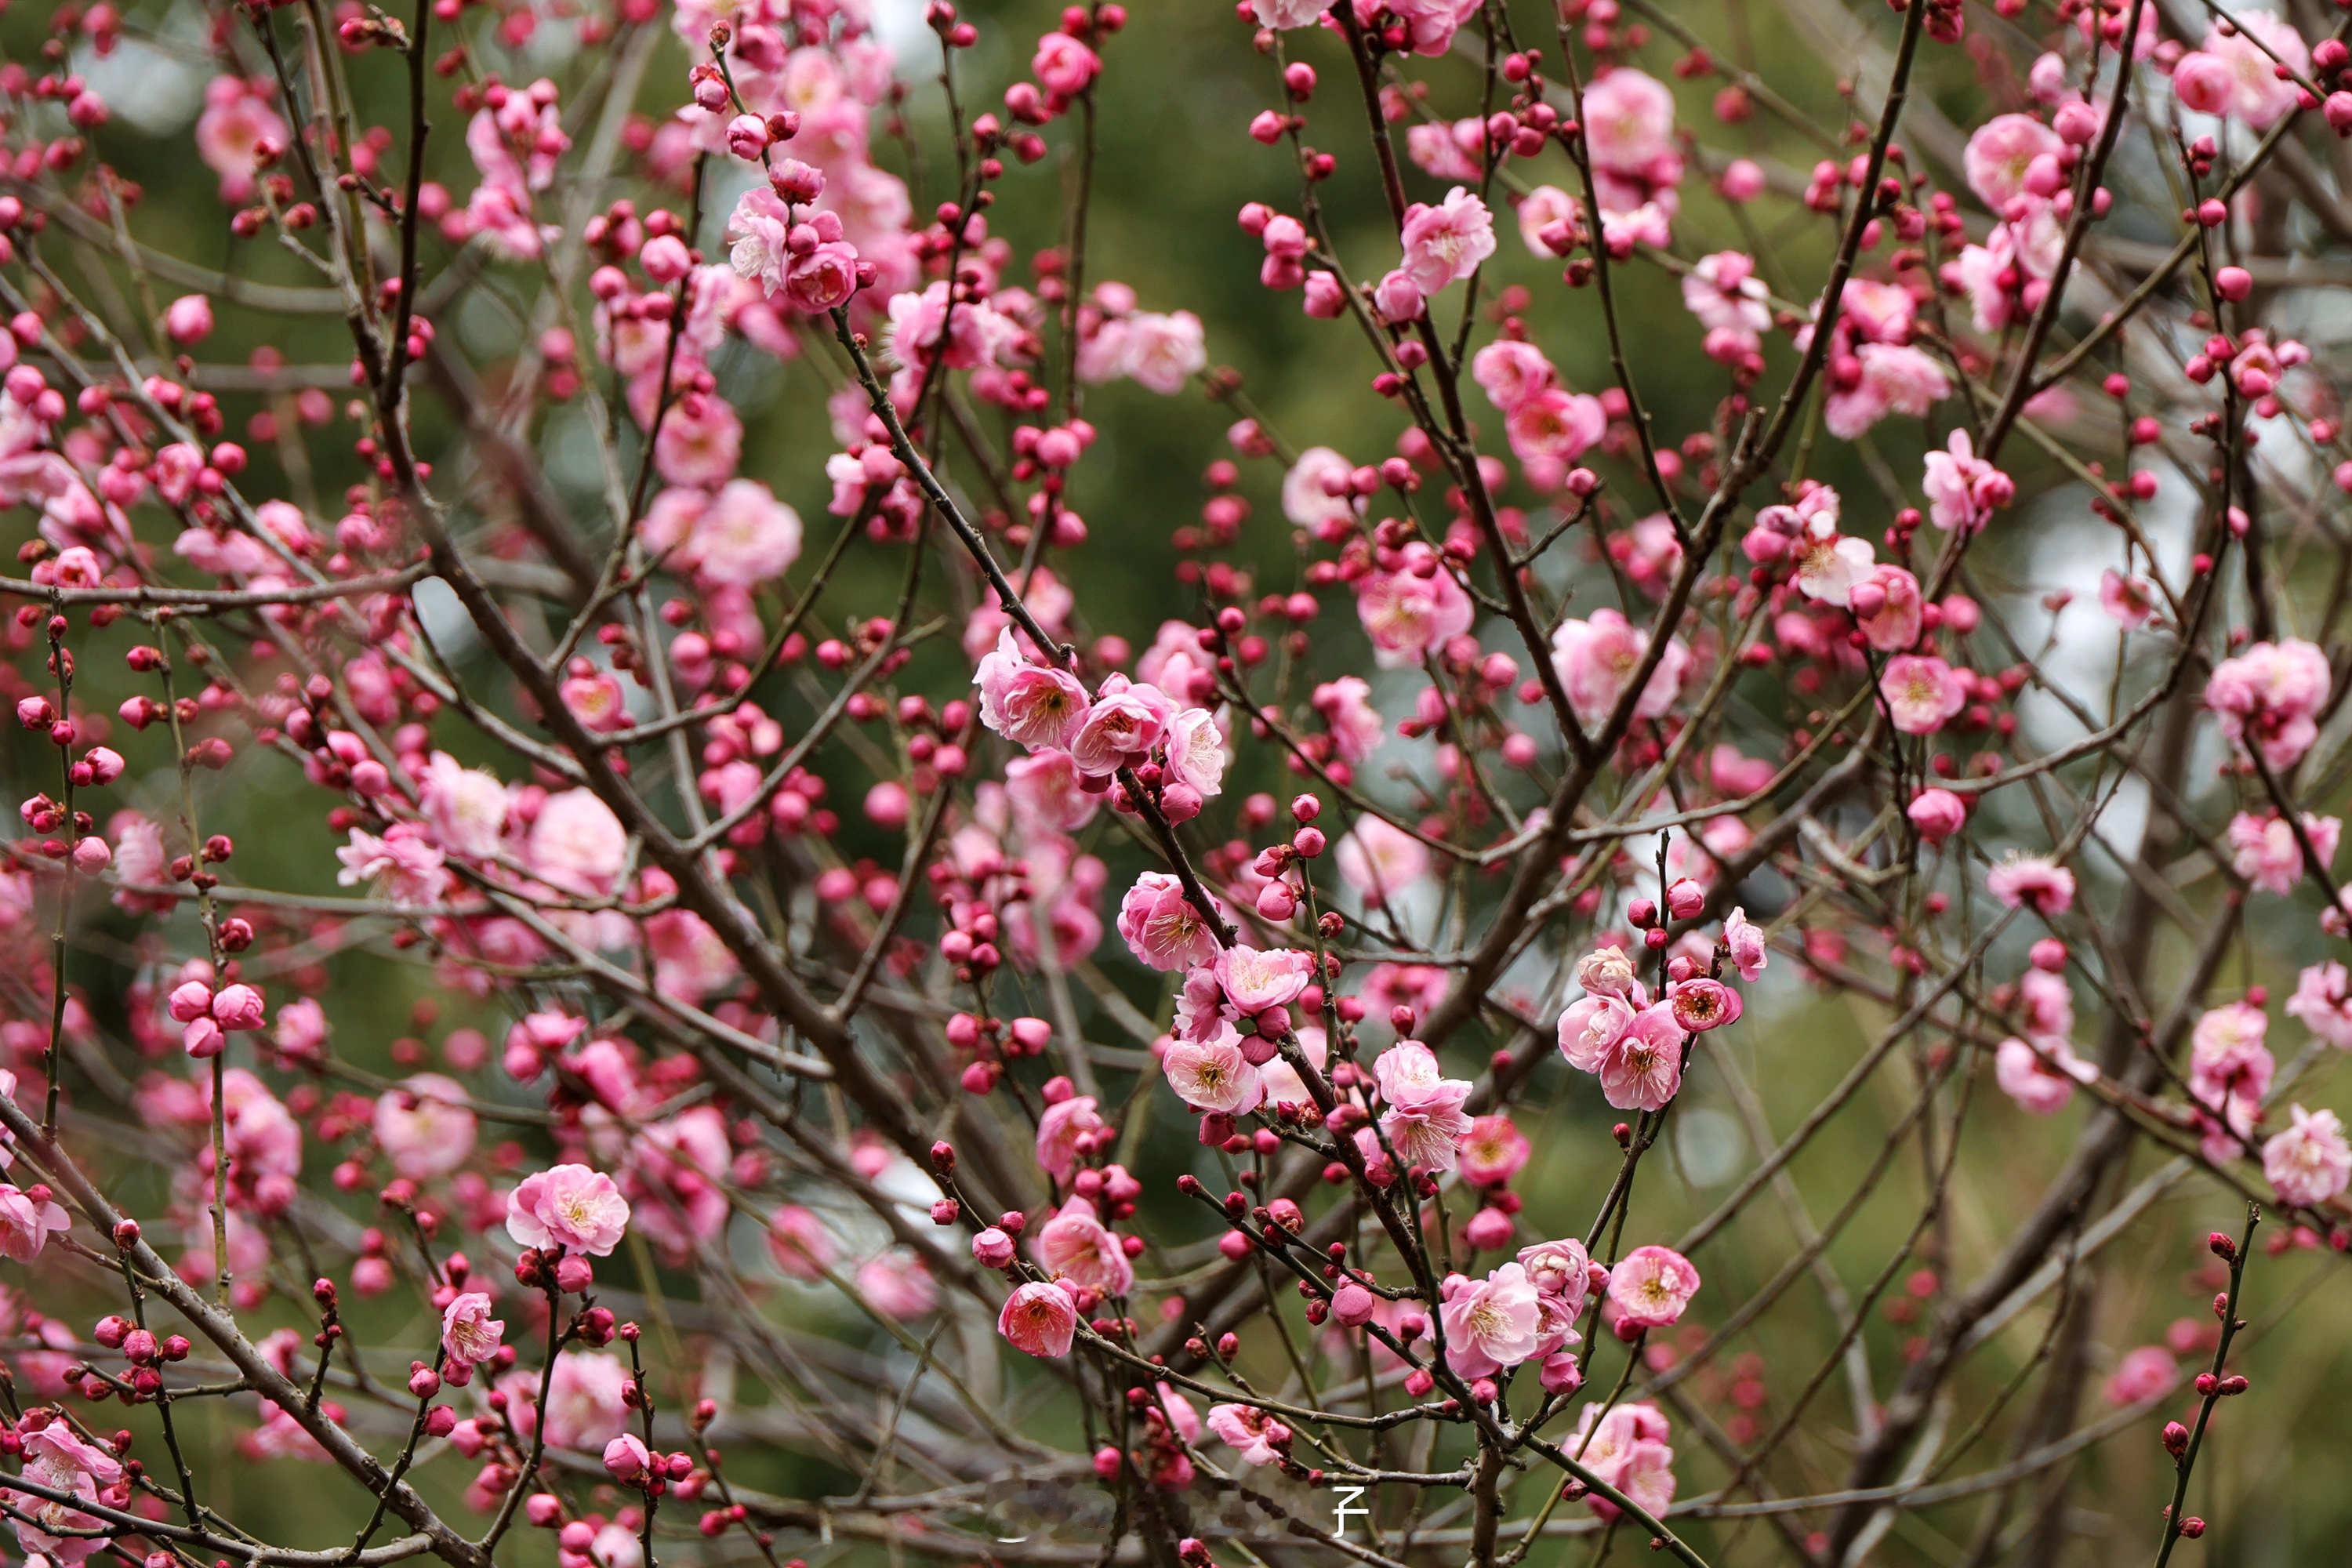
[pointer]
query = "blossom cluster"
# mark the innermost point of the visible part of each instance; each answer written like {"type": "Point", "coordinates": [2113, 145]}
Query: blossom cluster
{"type": "Point", "coordinates": [673, 894]}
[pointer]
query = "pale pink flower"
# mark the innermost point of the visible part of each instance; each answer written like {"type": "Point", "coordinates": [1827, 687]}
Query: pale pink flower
{"type": "Point", "coordinates": [1162, 927]}
{"type": "Point", "coordinates": [1510, 371]}
{"type": "Point", "coordinates": [1590, 1028]}
{"type": "Point", "coordinates": [1727, 296]}
{"type": "Point", "coordinates": [1182, 1418]}
{"type": "Point", "coordinates": [1039, 1319]}
{"type": "Point", "coordinates": [2040, 1074]}
{"type": "Point", "coordinates": [1546, 209]}
{"type": "Point", "coordinates": [1162, 352]}
{"type": "Point", "coordinates": [1744, 941]}
{"type": "Point", "coordinates": [2225, 1124]}
{"type": "Point", "coordinates": [1446, 152]}
{"type": "Point", "coordinates": [1058, 1130]}
{"type": "Point", "coordinates": [466, 806]}
{"type": "Point", "coordinates": [976, 334]}
{"type": "Point", "coordinates": [1316, 489]}
{"type": "Point", "coordinates": [2309, 1163]}
{"type": "Point", "coordinates": [1607, 971]}
{"type": "Point", "coordinates": [1490, 1325]}
{"type": "Point", "coordinates": [585, 1409]}
{"type": "Point", "coordinates": [45, 1526]}
{"type": "Point", "coordinates": [576, 844]}
{"type": "Point", "coordinates": [1875, 313]}
{"type": "Point", "coordinates": [237, 123]}
{"type": "Point", "coordinates": [1409, 1073]}
{"type": "Point", "coordinates": [1629, 121]}
{"type": "Point", "coordinates": [1257, 1438]}
{"type": "Point", "coordinates": [759, 232]}
{"type": "Point", "coordinates": [469, 1335]}
{"type": "Point", "coordinates": [1212, 1075]}
{"type": "Point", "coordinates": [1355, 725]}
{"type": "Point", "coordinates": [1550, 426]}
{"type": "Point", "coordinates": [1284, 15]}
{"type": "Point", "coordinates": [1644, 1069]}
{"type": "Point", "coordinates": [1886, 606]}
{"type": "Point", "coordinates": [406, 862]}
{"type": "Point", "coordinates": [2226, 1053]}
{"type": "Point", "coordinates": [2034, 882]}
{"type": "Point", "coordinates": [1598, 659]}
{"type": "Point", "coordinates": [1829, 563]}
{"type": "Point", "coordinates": [1381, 860]}
{"type": "Point", "coordinates": [1046, 793]}
{"type": "Point", "coordinates": [2048, 1000]}
{"type": "Point", "coordinates": [1428, 24]}
{"type": "Point", "coordinates": [2132, 601]}
{"type": "Point", "coordinates": [1646, 1478]}
{"type": "Point", "coordinates": [2145, 1373]}
{"type": "Point", "coordinates": [2265, 851]}
{"type": "Point", "coordinates": [743, 537]}
{"type": "Point", "coordinates": [1445, 243]}
{"type": "Point", "coordinates": [1651, 1286]}
{"type": "Point", "coordinates": [1407, 614]}
{"type": "Point", "coordinates": [1125, 722]}
{"type": "Point", "coordinates": [1425, 1123]}
{"type": "Point", "coordinates": [1028, 704]}
{"type": "Point", "coordinates": [568, 1206]}
{"type": "Point", "coordinates": [1922, 692]}
{"type": "Point", "coordinates": [1895, 378]}
{"type": "Point", "coordinates": [799, 1243]}
{"type": "Point", "coordinates": [1626, 226]}
{"type": "Point", "coordinates": [1194, 752]}
{"type": "Point", "coordinates": [1560, 1269]}
{"type": "Point", "coordinates": [700, 443]}
{"type": "Point", "coordinates": [2006, 277]}
{"type": "Point", "coordinates": [2233, 75]}
{"type": "Point", "coordinates": [1078, 1245]}
{"type": "Point", "coordinates": [1494, 1152]}
{"type": "Point", "coordinates": [896, 1284]}
{"type": "Point", "coordinates": [58, 1446]}
{"type": "Point", "coordinates": [1700, 1003]}
{"type": "Point", "coordinates": [1626, 1446]}
{"type": "Point", "coordinates": [424, 1127]}
{"type": "Point", "coordinates": [2322, 1001]}
{"type": "Point", "coordinates": [2269, 697]}
{"type": "Point", "coordinates": [2002, 150]}
{"type": "Point", "coordinates": [27, 1222]}
{"type": "Point", "coordinates": [1254, 980]}
{"type": "Point", "coordinates": [1963, 490]}
{"type": "Point", "coordinates": [690, 959]}
{"type": "Point", "coordinates": [264, 1140]}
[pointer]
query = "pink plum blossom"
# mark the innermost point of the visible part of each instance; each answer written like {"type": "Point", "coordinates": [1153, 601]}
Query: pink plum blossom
{"type": "Point", "coordinates": [1652, 1285]}
{"type": "Point", "coordinates": [1039, 1319]}
{"type": "Point", "coordinates": [568, 1206]}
